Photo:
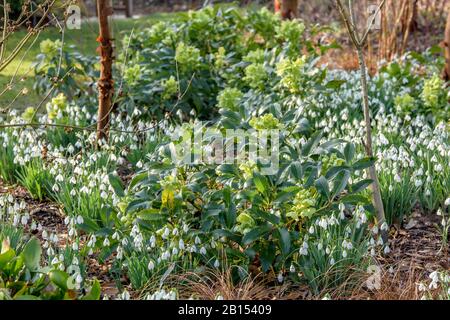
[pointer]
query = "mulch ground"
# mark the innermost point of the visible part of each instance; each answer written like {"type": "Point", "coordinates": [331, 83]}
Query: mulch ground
{"type": "Point", "coordinates": [418, 244]}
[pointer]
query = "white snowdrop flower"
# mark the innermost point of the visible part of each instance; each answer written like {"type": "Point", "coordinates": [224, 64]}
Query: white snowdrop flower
{"type": "Point", "coordinates": [203, 250]}
{"type": "Point", "coordinates": [106, 242]}
{"type": "Point", "coordinates": [439, 212]}
{"type": "Point", "coordinates": [292, 268]}
{"type": "Point", "coordinates": [16, 220]}
{"type": "Point", "coordinates": [175, 232]}
{"type": "Point", "coordinates": [185, 228]}
{"type": "Point", "coordinates": [372, 252]}
{"type": "Point", "coordinates": [166, 233]}
{"type": "Point", "coordinates": [66, 220]}
{"type": "Point", "coordinates": [386, 250]}
{"type": "Point", "coordinates": [181, 244]}
{"type": "Point", "coordinates": [320, 246]}
{"type": "Point", "coordinates": [447, 202]}
{"type": "Point", "coordinates": [375, 229]}
{"type": "Point", "coordinates": [54, 261]}
{"type": "Point", "coordinates": [304, 249]}
{"type": "Point", "coordinates": [119, 253]}
{"type": "Point", "coordinates": [380, 241]}
{"type": "Point", "coordinates": [59, 178]}
{"type": "Point", "coordinates": [434, 276]}
{"type": "Point", "coordinates": [165, 255]}
{"type": "Point", "coordinates": [125, 295]}
{"type": "Point", "coordinates": [363, 217]}
{"type": "Point", "coordinates": [280, 277]}
{"type": "Point", "coordinates": [328, 250]}
{"type": "Point", "coordinates": [384, 227]}
{"type": "Point", "coordinates": [115, 236]}
{"type": "Point", "coordinates": [139, 164]}
{"type": "Point", "coordinates": [55, 188]}
{"type": "Point", "coordinates": [311, 230]}
{"type": "Point", "coordinates": [44, 234]}
{"type": "Point", "coordinates": [216, 264]}
{"type": "Point", "coordinates": [70, 149]}
{"type": "Point", "coordinates": [80, 220]}
{"type": "Point", "coordinates": [427, 192]}
{"type": "Point", "coordinates": [438, 167]}
{"type": "Point", "coordinates": [344, 254]}
{"type": "Point", "coordinates": [75, 246]}
{"type": "Point", "coordinates": [420, 171]}
{"type": "Point", "coordinates": [151, 265]}
{"type": "Point", "coordinates": [397, 178]}
{"type": "Point", "coordinates": [50, 251]}
{"type": "Point", "coordinates": [104, 195]}
{"type": "Point", "coordinates": [174, 251]}
{"type": "Point", "coordinates": [418, 182]}
{"type": "Point", "coordinates": [92, 241]}
{"type": "Point", "coordinates": [323, 223]}
{"type": "Point", "coordinates": [24, 220]}
{"type": "Point", "coordinates": [197, 240]}
{"type": "Point", "coordinates": [443, 222]}
{"type": "Point", "coordinates": [332, 262]}
{"type": "Point", "coordinates": [33, 226]}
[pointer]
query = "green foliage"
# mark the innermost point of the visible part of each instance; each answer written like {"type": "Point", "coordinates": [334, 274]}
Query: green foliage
{"type": "Point", "coordinates": [399, 195]}
{"type": "Point", "coordinates": [36, 178]}
{"type": "Point", "coordinates": [191, 57]}
{"type": "Point", "coordinates": [8, 167]}
{"type": "Point", "coordinates": [23, 278]}
{"type": "Point", "coordinates": [70, 72]}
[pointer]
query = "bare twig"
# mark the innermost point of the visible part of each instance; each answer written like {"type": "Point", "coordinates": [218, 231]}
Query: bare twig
{"type": "Point", "coordinates": [359, 46]}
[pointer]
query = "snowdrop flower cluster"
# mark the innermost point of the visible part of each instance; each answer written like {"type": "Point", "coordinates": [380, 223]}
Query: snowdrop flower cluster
{"type": "Point", "coordinates": [61, 254]}
{"type": "Point", "coordinates": [162, 294]}
{"type": "Point", "coordinates": [438, 286]}
{"type": "Point", "coordinates": [167, 245]}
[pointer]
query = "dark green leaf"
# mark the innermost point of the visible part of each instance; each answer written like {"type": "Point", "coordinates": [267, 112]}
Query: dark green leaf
{"type": "Point", "coordinates": [32, 254]}
{"type": "Point", "coordinates": [255, 234]}
{"type": "Point", "coordinates": [116, 184]}
{"type": "Point", "coordinates": [322, 186]}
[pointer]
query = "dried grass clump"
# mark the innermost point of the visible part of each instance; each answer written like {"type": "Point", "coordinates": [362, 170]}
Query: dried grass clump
{"type": "Point", "coordinates": [397, 283]}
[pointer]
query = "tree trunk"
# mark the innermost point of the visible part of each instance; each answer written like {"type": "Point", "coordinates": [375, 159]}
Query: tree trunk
{"type": "Point", "coordinates": [105, 83]}
{"type": "Point", "coordinates": [289, 9]}
{"type": "Point", "coordinates": [129, 8]}
{"type": "Point", "coordinates": [277, 6]}
{"type": "Point", "coordinates": [446, 73]}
